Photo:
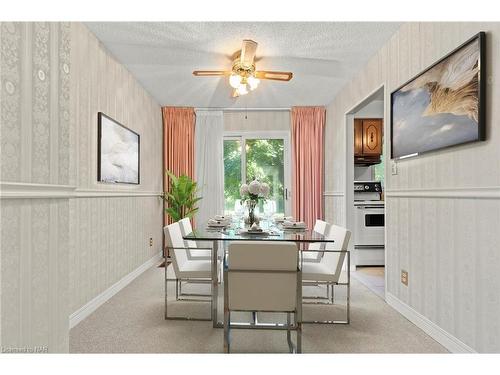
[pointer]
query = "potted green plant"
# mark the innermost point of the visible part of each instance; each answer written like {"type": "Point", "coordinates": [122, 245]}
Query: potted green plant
{"type": "Point", "coordinates": [181, 197]}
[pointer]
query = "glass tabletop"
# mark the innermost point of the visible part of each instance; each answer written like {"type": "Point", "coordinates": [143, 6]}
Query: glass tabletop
{"type": "Point", "coordinates": [271, 232]}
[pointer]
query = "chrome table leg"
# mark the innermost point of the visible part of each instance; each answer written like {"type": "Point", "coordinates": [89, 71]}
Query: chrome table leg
{"type": "Point", "coordinates": [215, 289]}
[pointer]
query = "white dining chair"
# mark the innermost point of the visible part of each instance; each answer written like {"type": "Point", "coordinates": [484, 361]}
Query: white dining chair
{"type": "Point", "coordinates": [329, 270]}
{"type": "Point", "coordinates": [186, 229]}
{"type": "Point", "coordinates": [314, 255]}
{"type": "Point", "coordinates": [196, 271]}
{"type": "Point", "coordinates": [263, 276]}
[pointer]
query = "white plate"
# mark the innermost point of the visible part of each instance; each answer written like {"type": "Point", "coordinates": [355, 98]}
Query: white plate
{"type": "Point", "coordinates": [257, 232]}
{"type": "Point", "coordinates": [294, 227]}
{"type": "Point", "coordinates": [217, 225]}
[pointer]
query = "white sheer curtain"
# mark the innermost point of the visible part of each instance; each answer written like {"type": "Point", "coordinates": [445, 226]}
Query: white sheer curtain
{"type": "Point", "coordinates": [209, 167]}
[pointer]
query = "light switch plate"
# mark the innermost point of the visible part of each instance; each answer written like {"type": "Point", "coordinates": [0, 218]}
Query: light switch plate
{"type": "Point", "coordinates": [394, 168]}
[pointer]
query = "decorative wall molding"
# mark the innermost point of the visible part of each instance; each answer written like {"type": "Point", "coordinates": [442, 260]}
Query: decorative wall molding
{"type": "Point", "coordinates": [21, 190]}
{"type": "Point", "coordinates": [333, 194]}
{"type": "Point", "coordinates": [446, 339]}
{"type": "Point", "coordinates": [95, 193]}
{"type": "Point", "coordinates": [99, 300]}
{"type": "Point", "coordinates": [492, 192]}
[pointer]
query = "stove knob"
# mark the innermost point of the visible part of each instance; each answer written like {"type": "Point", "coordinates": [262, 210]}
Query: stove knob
{"type": "Point", "coordinates": [367, 187]}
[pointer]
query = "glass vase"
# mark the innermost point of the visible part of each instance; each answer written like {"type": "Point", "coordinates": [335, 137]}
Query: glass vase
{"type": "Point", "coordinates": [251, 204]}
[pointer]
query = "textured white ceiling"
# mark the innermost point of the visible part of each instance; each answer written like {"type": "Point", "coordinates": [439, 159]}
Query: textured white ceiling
{"type": "Point", "coordinates": [322, 57]}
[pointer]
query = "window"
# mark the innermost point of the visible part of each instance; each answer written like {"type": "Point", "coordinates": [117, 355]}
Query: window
{"type": "Point", "coordinates": [260, 156]}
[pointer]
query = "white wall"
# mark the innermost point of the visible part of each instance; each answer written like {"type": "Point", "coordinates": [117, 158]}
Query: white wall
{"type": "Point", "coordinates": [257, 120]}
{"type": "Point", "coordinates": [35, 136]}
{"type": "Point", "coordinates": [373, 109]}
{"type": "Point", "coordinates": [443, 209]}
{"type": "Point", "coordinates": [110, 233]}
{"type": "Point", "coordinates": [65, 238]}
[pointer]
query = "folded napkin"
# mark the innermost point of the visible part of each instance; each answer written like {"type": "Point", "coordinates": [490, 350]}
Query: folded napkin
{"type": "Point", "coordinates": [281, 218]}
{"type": "Point", "coordinates": [216, 222]}
{"type": "Point", "coordinates": [294, 224]}
{"type": "Point", "coordinates": [222, 217]}
{"type": "Point", "coordinates": [255, 228]}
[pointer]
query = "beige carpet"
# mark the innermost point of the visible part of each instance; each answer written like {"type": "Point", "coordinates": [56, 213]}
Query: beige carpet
{"type": "Point", "coordinates": [373, 278]}
{"type": "Point", "coordinates": [132, 322]}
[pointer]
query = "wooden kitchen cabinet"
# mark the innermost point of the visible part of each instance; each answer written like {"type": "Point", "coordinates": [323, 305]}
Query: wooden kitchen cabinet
{"type": "Point", "coordinates": [367, 141]}
{"type": "Point", "coordinates": [358, 137]}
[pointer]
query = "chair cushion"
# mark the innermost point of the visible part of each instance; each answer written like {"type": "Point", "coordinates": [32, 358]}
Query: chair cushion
{"type": "Point", "coordinates": [199, 269]}
{"type": "Point", "coordinates": [200, 253]}
{"type": "Point", "coordinates": [317, 272]}
{"type": "Point", "coordinates": [307, 255]}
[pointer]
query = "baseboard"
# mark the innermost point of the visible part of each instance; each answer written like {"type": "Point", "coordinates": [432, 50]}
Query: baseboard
{"type": "Point", "coordinates": [96, 302]}
{"type": "Point", "coordinates": [449, 341]}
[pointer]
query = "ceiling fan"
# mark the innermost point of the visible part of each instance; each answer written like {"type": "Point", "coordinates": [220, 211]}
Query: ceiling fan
{"type": "Point", "coordinates": [243, 76]}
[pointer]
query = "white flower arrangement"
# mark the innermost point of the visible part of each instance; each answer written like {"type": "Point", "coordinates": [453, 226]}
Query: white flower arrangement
{"type": "Point", "coordinates": [255, 190]}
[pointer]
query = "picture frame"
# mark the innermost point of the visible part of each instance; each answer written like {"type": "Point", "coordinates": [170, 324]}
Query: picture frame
{"type": "Point", "coordinates": [444, 105]}
{"type": "Point", "coordinates": [118, 152]}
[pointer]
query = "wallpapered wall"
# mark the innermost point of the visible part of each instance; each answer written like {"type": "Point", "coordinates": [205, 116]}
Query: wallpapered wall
{"type": "Point", "coordinates": [110, 233]}
{"type": "Point", "coordinates": [35, 136]}
{"type": "Point", "coordinates": [257, 120]}
{"type": "Point", "coordinates": [442, 209]}
{"type": "Point", "coordinates": [64, 237]}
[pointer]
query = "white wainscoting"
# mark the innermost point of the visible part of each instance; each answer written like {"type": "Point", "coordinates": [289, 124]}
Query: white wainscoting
{"type": "Point", "coordinates": [99, 300]}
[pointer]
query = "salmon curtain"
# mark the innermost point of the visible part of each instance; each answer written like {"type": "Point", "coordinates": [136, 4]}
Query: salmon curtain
{"type": "Point", "coordinates": [178, 144]}
{"type": "Point", "coordinates": [308, 125]}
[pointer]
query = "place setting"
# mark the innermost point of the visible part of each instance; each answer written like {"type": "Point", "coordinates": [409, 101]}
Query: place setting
{"type": "Point", "coordinates": [288, 223]}
{"type": "Point", "coordinates": [219, 222]}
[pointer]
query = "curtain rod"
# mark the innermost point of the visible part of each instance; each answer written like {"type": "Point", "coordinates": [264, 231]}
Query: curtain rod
{"type": "Point", "coordinates": [242, 109]}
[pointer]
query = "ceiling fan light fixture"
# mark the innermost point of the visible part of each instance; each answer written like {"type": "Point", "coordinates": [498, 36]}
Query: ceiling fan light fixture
{"type": "Point", "coordinates": [253, 82]}
{"type": "Point", "coordinates": [235, 80]}
{"type": "Point", "coordinates": [242, 89]}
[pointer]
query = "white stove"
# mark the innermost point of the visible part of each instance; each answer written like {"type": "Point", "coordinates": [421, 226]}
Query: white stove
{"type": "Point", "coordinates": [369, 222]}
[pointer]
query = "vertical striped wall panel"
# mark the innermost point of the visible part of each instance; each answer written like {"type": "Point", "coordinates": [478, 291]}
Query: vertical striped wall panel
{"type": "Point", "coordinates": [449, 245]}
{"type": "Point", "coordinates": [111, 234]}
{"type": "Point", "coordinates": [257, 120]}
{"type": "Point", "coordinates": [59, 253]}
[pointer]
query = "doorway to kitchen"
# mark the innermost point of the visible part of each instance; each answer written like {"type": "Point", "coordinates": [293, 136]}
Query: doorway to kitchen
{"type": "Point", "coordinates": [365, 186]}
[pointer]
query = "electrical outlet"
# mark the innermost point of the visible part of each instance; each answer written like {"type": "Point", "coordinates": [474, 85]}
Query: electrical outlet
{"type": "Point", "coordinates": [404, 277]}
{"type": "Point", "coordinates": [394, 168]}
{"type": "Point", "coordinates": [150, 241]}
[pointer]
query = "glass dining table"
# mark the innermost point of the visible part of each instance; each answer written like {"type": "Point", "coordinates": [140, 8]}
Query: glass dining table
{"type": "Point", "coordinates": [236, 232]}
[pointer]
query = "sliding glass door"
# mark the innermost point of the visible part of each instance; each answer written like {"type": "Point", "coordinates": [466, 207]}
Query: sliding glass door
{"type": "Point", "coordinates": [264, 156]}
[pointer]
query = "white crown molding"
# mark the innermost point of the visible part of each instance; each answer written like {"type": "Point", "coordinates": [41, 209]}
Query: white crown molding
{"type": "Point", "coordinates": [492, 192]}
{"type": "Point", "coordinates": [91, 306]}
{"type": "Point", "coordinates": [333, 193]}
{"type": "Point", "coordinates": [21, 190]}
{"type": "Point", "coordinates": [450, 342]}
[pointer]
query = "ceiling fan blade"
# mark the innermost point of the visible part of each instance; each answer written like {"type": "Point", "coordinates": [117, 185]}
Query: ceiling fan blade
{"type": "Point", "coordinates": [210, 73]}
{"type": "Point", "coordinates": [276, 76]}
{"type": "Point", "coordinates": [248, 49]}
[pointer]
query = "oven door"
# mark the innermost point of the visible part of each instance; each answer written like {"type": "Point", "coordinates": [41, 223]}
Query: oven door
{"type": "Point", "coordinates": [370, 222]}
